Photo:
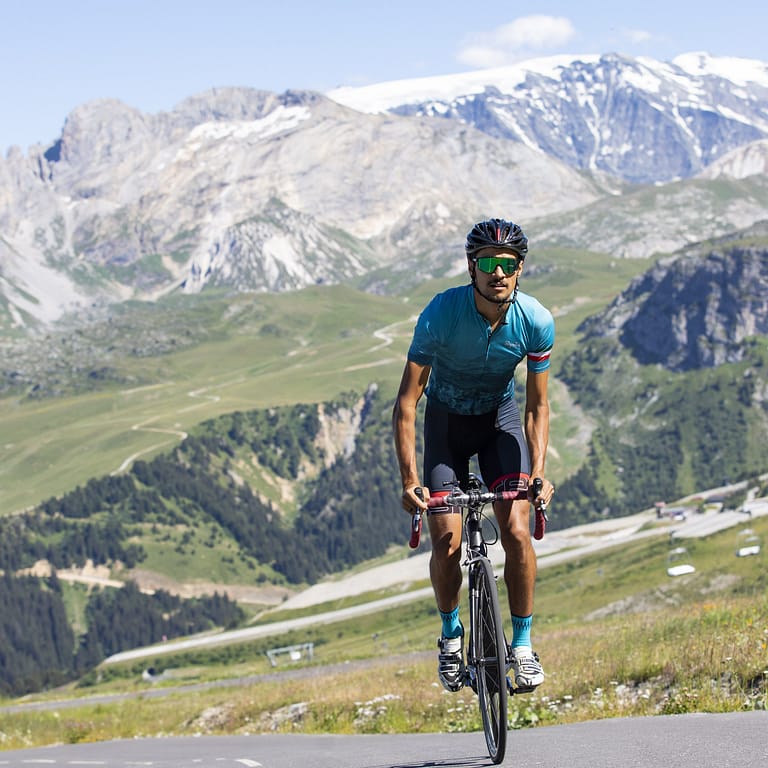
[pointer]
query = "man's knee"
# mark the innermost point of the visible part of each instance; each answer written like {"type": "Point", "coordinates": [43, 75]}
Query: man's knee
{"type": "Point", "coordinates": [446, 549]}
{"type": "Point", "coordinates": [516, 536]}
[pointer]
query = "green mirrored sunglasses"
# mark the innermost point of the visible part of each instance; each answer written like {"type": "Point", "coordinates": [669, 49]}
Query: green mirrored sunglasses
{"type": "Point", "coordinates": [508, 264]}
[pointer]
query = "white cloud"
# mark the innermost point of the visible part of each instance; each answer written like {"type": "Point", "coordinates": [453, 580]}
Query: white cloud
{"type": "Point", "coordinates": [511, 42]}
{"type": "Point", "coordinates": [637, 35]}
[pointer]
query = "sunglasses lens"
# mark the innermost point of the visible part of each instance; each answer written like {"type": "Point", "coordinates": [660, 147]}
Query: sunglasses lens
{"type": "Point", "coordinates": [488, 264]}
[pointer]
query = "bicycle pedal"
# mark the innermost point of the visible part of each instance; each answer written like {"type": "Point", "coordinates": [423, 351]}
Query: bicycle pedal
{"type": "Point", "coordinates": [520, 689]}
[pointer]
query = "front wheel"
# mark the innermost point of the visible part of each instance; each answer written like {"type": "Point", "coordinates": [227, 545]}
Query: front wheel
{"type": "Point", "coordinates": [488, 655]}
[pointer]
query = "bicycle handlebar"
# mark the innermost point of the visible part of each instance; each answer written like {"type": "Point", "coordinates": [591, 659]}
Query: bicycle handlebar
{"type": "Point", "coordinates": [462, 499]}
{"type": "Point", "coordinates": [457, 498]}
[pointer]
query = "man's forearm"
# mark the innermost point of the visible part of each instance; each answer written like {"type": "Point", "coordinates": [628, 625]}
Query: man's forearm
{"type": "Point", "coordinates": [404, 430]}
{"type": "Point", "coordinates": [537, 436]}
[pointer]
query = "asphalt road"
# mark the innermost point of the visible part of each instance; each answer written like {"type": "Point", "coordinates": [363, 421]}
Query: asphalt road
{"type": "Point", "coordinates": [734, 740]}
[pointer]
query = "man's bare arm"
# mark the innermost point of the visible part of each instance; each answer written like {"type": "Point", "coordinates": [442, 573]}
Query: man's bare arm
{"type": "Point", "coordinates": [412, 386]}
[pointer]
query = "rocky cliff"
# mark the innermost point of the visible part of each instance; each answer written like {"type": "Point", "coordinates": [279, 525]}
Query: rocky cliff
{"type": "Point", "coordinates": [253, 191]}
{"type": "Point", "coordinates": [696, 309]}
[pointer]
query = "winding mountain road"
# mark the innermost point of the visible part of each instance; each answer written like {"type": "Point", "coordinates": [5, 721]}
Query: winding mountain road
{"type": "Point", "coordinates": [176, 434]}
{"type": "Point", "coordinates": [556, 547]}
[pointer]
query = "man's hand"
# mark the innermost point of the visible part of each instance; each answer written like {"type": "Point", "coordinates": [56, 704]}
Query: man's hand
{"type": "Point", "coordinates": [413, 503]}
{"type": "Point", "coordinates": [544, 496]}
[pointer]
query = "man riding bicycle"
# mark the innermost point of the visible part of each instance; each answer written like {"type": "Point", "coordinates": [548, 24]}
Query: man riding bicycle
{"type": "Point", "coordinates": [466, 346]}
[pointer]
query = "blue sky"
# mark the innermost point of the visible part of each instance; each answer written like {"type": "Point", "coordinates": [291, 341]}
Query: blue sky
{"type": "Point", "coordinates": [151, 54]}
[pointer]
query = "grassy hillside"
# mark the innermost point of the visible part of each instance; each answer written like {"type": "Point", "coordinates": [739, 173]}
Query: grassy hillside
{"type": "Point", "coordinates": [85, 402]}
{"type": "Point", "coordinates": [661, 435]}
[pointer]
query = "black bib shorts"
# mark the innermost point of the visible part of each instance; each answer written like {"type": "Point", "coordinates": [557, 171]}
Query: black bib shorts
{"type": "Point", "coordinates": [452, 439]}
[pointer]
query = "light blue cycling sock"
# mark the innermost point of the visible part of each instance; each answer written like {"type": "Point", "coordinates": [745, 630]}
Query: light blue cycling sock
{"type": "Point", "coordinates": [452, 626]}
{"type": "Point", "coordinates": [521, 630]}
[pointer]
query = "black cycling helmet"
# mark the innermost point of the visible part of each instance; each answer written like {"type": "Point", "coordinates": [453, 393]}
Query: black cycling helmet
{"type": "Point", "coordinates": [497, 233]}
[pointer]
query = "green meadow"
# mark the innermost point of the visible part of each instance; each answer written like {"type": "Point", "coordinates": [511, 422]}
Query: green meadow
{"type": "Point", "coordinates": [250, 351]}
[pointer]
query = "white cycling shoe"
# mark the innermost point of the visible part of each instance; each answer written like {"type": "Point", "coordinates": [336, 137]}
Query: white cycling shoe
{"type": "Point", "coordinates": [450, 662]}
{"type": "Point", "coordinates": [526, 667]}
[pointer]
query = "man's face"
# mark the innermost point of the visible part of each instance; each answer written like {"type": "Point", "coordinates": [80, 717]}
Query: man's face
{"type": "Point", "coordinates": [496, 272]}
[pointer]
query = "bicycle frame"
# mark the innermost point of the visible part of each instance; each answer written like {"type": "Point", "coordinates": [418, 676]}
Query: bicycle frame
{"type": "Point", "coordinates": [486, 662]}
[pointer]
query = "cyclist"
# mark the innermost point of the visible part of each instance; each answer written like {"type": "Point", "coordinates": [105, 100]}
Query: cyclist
{"type": "Point", "coordinates": [466, 346]}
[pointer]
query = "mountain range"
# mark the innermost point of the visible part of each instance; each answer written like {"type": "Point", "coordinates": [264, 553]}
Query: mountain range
{"type": "Point", "coordinates": [256, 191]}
{"type": "Point", "coordinates": [639, 120]}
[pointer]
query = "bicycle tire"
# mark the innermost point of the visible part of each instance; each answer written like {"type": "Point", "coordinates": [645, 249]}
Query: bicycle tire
{"type": "Point", "coordinates": [489, 655]}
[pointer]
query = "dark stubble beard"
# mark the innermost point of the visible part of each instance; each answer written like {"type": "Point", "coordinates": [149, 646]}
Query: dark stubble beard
{"type": "Point", "coordinates": [501, 303]}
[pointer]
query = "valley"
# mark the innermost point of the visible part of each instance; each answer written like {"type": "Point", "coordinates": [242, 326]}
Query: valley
{"type": "Point", "coordinates": [204, 316]}
{"type": "Point", "coordinates": [328, 341]}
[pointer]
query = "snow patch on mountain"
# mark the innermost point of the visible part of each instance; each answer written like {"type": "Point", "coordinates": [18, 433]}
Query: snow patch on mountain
{"type": "Point", "coordinates": [395, 93]}
{"type": "Point", "coordinates": [382, 97]}
{"type": "Point", "coordinates": [280, 120]}
{"type": "Point", "coordinates": [739, 71]}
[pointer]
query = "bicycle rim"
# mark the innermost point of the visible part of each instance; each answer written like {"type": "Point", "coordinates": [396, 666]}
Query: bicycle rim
{"type": "Point", "coordinates": [489, 658]}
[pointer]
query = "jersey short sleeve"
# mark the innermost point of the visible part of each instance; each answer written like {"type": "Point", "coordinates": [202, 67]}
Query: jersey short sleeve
{"type": "Point", "coordinates": [430, 330]}
{"type": "Point", "coordinates": [542, 340]}
{"type": "Point", "coordinates": [472, 364]}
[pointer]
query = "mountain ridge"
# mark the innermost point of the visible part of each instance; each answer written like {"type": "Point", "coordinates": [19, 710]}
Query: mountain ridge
{"type": "Point", "coordinates": [154, 218]}
{"type": "Point", "coordinates": [386, 95]}
{"type": "Point", "coordinates": [638, 119]}
{"type": "Point", "coordinates": [130, 205]}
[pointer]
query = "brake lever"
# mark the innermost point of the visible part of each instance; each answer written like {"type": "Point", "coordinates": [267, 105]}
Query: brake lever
{"type": "Point", "coordinates": [541, 510]}
{"type": "Point", "coordinates": [416, 522]}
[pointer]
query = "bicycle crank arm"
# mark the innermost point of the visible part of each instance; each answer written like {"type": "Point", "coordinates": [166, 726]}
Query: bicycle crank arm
{"type": "Point", "coordinates": [521, 689]}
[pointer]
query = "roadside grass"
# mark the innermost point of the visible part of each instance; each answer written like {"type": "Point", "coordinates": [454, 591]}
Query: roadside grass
{"type": "Point", "coordinates": [617, 636]}
{"type": "Point", "coordinates": [707, 657]}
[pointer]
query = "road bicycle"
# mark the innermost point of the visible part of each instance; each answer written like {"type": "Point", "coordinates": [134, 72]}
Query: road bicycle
{"type": "Point", "coordinates": [487, 650]}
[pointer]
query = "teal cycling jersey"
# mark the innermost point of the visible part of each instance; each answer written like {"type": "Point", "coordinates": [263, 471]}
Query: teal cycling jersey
{"type": "Point", "coordinates": [472, 367]}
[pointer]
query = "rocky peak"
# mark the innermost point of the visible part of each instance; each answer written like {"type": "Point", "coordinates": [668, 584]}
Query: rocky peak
{"type": "Point", "coordinates": [133, 205]}
{"type": "Point", "coordinates": [696, 309]}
